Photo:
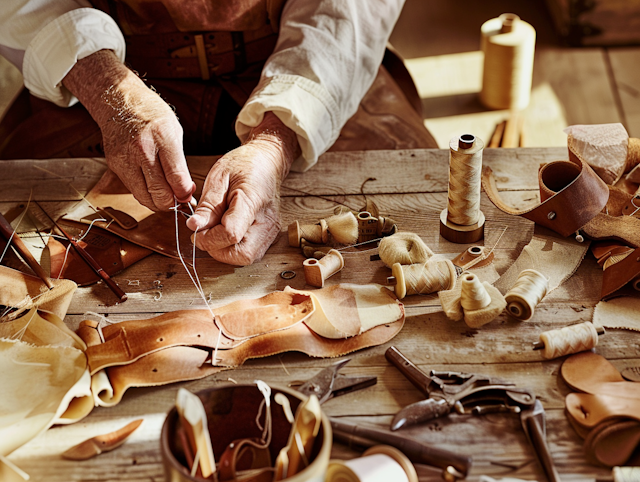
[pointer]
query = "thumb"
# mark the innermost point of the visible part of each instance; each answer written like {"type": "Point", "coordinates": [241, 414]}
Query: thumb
{"type": "Point", "coordinates": [212, 203]}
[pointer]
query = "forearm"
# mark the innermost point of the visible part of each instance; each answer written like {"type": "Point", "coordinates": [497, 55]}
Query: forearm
{"type": "Point", "coordinates": [277, 139]}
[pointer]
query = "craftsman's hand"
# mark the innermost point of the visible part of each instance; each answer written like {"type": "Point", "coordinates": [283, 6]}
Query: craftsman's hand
{"type": "Point", "coordinates": [238, 216]}
{"type": "Point", "coordinates": [141, 134]}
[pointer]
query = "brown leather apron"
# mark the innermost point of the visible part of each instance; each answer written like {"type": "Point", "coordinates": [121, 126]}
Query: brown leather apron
{"type": "Point", "coordinates": [204, 57]}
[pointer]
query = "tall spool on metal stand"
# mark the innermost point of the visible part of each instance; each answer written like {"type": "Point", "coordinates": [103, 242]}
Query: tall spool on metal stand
{"type": "Point", "coordinates": [508, 44]}
{"type": "Point", "coordinates": [462, 221]}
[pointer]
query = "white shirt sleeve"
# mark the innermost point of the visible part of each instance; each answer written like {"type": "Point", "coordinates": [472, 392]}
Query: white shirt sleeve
{"type": "Point", "coordinates": [326, 58]}
{"type": "Point", "coordinates": [50, 36]}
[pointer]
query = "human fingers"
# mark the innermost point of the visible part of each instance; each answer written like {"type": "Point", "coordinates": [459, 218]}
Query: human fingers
{"type": "Point", "coordinates": [173, 162]}
{"type": "Point", "coordinates": [212, 203]}
{"type": "Point", "coordinates": [253, 246]}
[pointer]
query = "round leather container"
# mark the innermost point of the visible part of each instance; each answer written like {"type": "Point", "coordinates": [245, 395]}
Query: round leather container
{"type": "Point", "coordinates": [231, 415]}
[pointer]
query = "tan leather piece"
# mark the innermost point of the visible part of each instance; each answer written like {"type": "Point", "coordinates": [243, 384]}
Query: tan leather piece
{"type": "Point", "coordinates": [302, 339]}
{"type": "Point", "coordinates": [276, 311]}
{"type": "Point", "coordinates": [592, 373]}
{"type": "Point", "coordinates": [589, 410]}
{"type": "Point", "coordinates": [130, 340]}
{"type": "Point", "coordinates": [111, 252]}
{"type": "Point", "coordinates": [572, 192]}
{"type": "Point", "coordinates": [336, 304]}
{"type": "Point", "coordinates": [172, 365]}
{"type": "Point", "coordinates": [613, 443]}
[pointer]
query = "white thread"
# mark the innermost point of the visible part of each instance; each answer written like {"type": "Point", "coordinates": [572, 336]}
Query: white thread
{"type": "Point", "coordinates": [404, 248]}
{"type": "Point", "coordinates": [528, 290]}
{"type": "Point", "coordinates": [20, 333]}
{"type": "Point", "coordinates": [89, 229]}
{"type": "Point", "coordinates": [508, 44]}
{"type": "Point", "coordinates": [568, 340]}
{"type": "Point", "coordinates": [214, 358]}
{"type": "Point", "coordinates": [267, 429]}
{"type": "Point", "coordinates": [16, 229]}
{"type": "Point", "coordinates": [465, 169]}
{"type": "Point", "coordinates": [474, 295]}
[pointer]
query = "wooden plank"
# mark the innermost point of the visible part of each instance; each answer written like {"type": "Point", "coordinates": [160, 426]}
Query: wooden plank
{"type": "Point", "coordinates": [423, 170]}
{"type": "Point", "coordinates": [625, 66]}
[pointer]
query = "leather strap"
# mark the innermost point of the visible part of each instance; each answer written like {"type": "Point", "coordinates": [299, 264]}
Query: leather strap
{"type": "Point", "coordinates": [589, 410]}
{"type": "Point", "coordinates": [571, 192]}
{"type": "Point", "coordinates": [619, 274]}
{"type": "Point", "coordinates": [613, 443]}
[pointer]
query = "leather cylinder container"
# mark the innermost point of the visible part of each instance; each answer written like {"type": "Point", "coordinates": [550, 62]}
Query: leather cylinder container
{"type": "Point", "coordinates": [231, 416]}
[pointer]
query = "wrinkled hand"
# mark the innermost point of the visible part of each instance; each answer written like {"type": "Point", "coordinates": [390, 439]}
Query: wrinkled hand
{"type": "Point", "coordinates": [238, 215]}
{"type": "Point", "coordinates": [141, 134]}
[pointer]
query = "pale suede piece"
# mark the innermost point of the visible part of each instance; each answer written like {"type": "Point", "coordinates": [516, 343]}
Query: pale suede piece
{"type": "Point", "coordinates": [41, 329]}
{"type": "Point", "coordinates": [20, 290]}
{"type": "Point", "coordinates": [276, 311]}
{"type": "Point", "coordinates": [336, 315]}
{"type": "Point", "coordinates": [56, 375]}
{"type": "Point", "coordinates": [621, 313]}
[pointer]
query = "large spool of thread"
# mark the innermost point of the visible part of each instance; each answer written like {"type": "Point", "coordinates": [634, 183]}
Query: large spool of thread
{"type": "Point", "coordinates": [529, 289]}
{"type": "Point", "coordinates": [317, 271]}
{"type": "Point", "coordinates": [508, 44]}
{"type": "Point", "coordinates": [570, 339]}
{"type": "Point", "coordinates": [314, 233]}
{"type": "Point", "coordinates": [381, 463]}
{"type": "Point", "coordinates": [462, 221]}
{"type": "Point", "coordinates": [474, 295]}
{"type": "Point", "coordinates": [422, 278]}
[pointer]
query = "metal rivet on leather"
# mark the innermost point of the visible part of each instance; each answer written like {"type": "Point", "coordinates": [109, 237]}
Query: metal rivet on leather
{"type": "Point", "coordinates": [551, 215]}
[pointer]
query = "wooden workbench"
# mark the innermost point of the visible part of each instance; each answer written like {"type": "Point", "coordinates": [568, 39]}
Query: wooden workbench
{"type": "Point", "coordinates": [410, 187]}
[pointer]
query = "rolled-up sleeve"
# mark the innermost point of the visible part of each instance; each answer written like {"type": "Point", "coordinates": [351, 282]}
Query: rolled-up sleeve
{"type": "Point", "coordinates": [326, 58]}
{"type": "Point", "coordinates": [53, 35]}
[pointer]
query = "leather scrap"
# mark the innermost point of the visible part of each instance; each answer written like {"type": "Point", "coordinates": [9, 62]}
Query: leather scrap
{"type": "Point", "coordinates": [572, 194]}
{"type": "Point", "coordinates": [619, 313]}
{"type": "Point", "coordinates": [613, 443]}
{"type": "Point", "coordinates": [592, 373]}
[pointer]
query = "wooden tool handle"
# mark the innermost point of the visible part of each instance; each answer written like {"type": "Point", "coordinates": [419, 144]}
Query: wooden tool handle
{"type": "Point", "coordinates": [416, 451]}
{"type": "Point", "coordinates": [539, 443]}
{"type": "Point", "coordinates": [408, 369]}
{"type": "Point", "coordinates": [8, 233]}
{"type": "Point", "coordinates": [99, 271]}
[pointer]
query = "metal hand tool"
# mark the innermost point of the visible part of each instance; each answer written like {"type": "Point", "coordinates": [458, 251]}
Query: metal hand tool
{"type": "Point", "coordinates": [473, 394]}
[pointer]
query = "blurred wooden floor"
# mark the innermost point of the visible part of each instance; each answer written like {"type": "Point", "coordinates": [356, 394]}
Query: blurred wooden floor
{"type": "Point", "coordinates": [441, 40]}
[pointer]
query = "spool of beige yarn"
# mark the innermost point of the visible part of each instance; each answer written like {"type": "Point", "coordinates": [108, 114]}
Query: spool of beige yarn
{"type": "Point", "coordinates": [508, 44]}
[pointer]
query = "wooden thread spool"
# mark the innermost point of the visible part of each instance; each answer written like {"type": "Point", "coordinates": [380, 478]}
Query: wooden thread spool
{"type": "Point", "coordinates": [508, 44]}
{"type": "Point", "coordinates": [422, 278]}
{"type": "Point", "coordinates": [474, 295]}
{"type": "Point", "coordinates": [529, 289]}
{"type": "Point", "coordinates": [381, 463]}
{"type": "Point", "coordinates": [568, 340]}
{"type": "Point", "coordinates": [462, 221]}
{"type": "Point", "coordinates": [317, 271]}
{"type": "Point", "coordinates": [367, 227]}
{"type": "Point", "coordinates": [314, 233]}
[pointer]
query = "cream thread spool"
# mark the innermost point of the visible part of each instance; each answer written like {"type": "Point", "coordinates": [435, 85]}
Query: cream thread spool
{"type": "Point", "coordinates": [403, 248]}
{"type": "Point", "coordinates": [422, 278]}
{"type": "Point", "coordinates": [380, 463]}
{"type": "Point", "coordinates": [314, 233]}
{"type": "Point", "coordinates": [568, 340]}
{"type": "Point", "coordinates": [474, 295]}
{"type": "Point", "coordinates": [508, 44]}
{"type": "Point", "coordinates": [528, 290]}
{"type": "Point", "coordinates": [317, 271]}
{"type": "Point", "coordinates": [462, 221]}
{"type": "Point", "coordinates": [367, 227]}
{"type": "Point", "coordinates": [626, 474]}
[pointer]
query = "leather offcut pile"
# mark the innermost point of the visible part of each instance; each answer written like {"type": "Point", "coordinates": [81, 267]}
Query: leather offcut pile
{"type": "Point", "coordinates": [605, 411]}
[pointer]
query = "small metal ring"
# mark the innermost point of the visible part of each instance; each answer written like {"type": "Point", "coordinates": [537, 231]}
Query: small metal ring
{"type": "Point", "coordinates": [288, 274]}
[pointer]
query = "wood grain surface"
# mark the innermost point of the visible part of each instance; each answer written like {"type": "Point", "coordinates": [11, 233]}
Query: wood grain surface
{"type": "Point", "coordinates": [410, 187]}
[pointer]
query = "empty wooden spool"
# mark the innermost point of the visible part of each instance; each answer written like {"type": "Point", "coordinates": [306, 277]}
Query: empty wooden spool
{"type": "Point", "coordinates": [314, 233]}
{"type": "Point", "coordinates": [317, 271]}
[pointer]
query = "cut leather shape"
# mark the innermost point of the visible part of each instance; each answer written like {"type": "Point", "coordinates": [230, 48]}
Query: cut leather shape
{"type": "Point", "coordinates": [273, 312]}
{"type": "Point", "coordinates": [130, 340]}
{"type": "Point", "coordinates": [555, 257]}
{"type": "Point", "coordinates": [101, 443]}
{"type": "Point", "coordinates": [23, 291]}
{"type": "Point", "coordinates": [589, 410]}
{"type": "Point", "coordinates": [123, 219]}
{"type": "Point", "coordinates": [302, 339]}
{"type": "Point", "coordinates": [40, 328]}
{"type": "Point", "coordinates": [592, 373]}
{"type": "Point", "coordinates": [346, 310]}
{"type": "Point", "coordinates": [619, 274]}
{"type": "Point", "coordinates": [111, 252]}
{"type": "Point", "coordinates": [55, 376]}
{"type": "Point", "coordinates": [613, 443]}
{"type": "Point", "coordinates": [571, 193]}
{"type": "Point", "coordinates": [175, 364]}
{"type": "Point", "coordinates": [155, 231]}
{"type": "Point", "coordinates": [618, 313]}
